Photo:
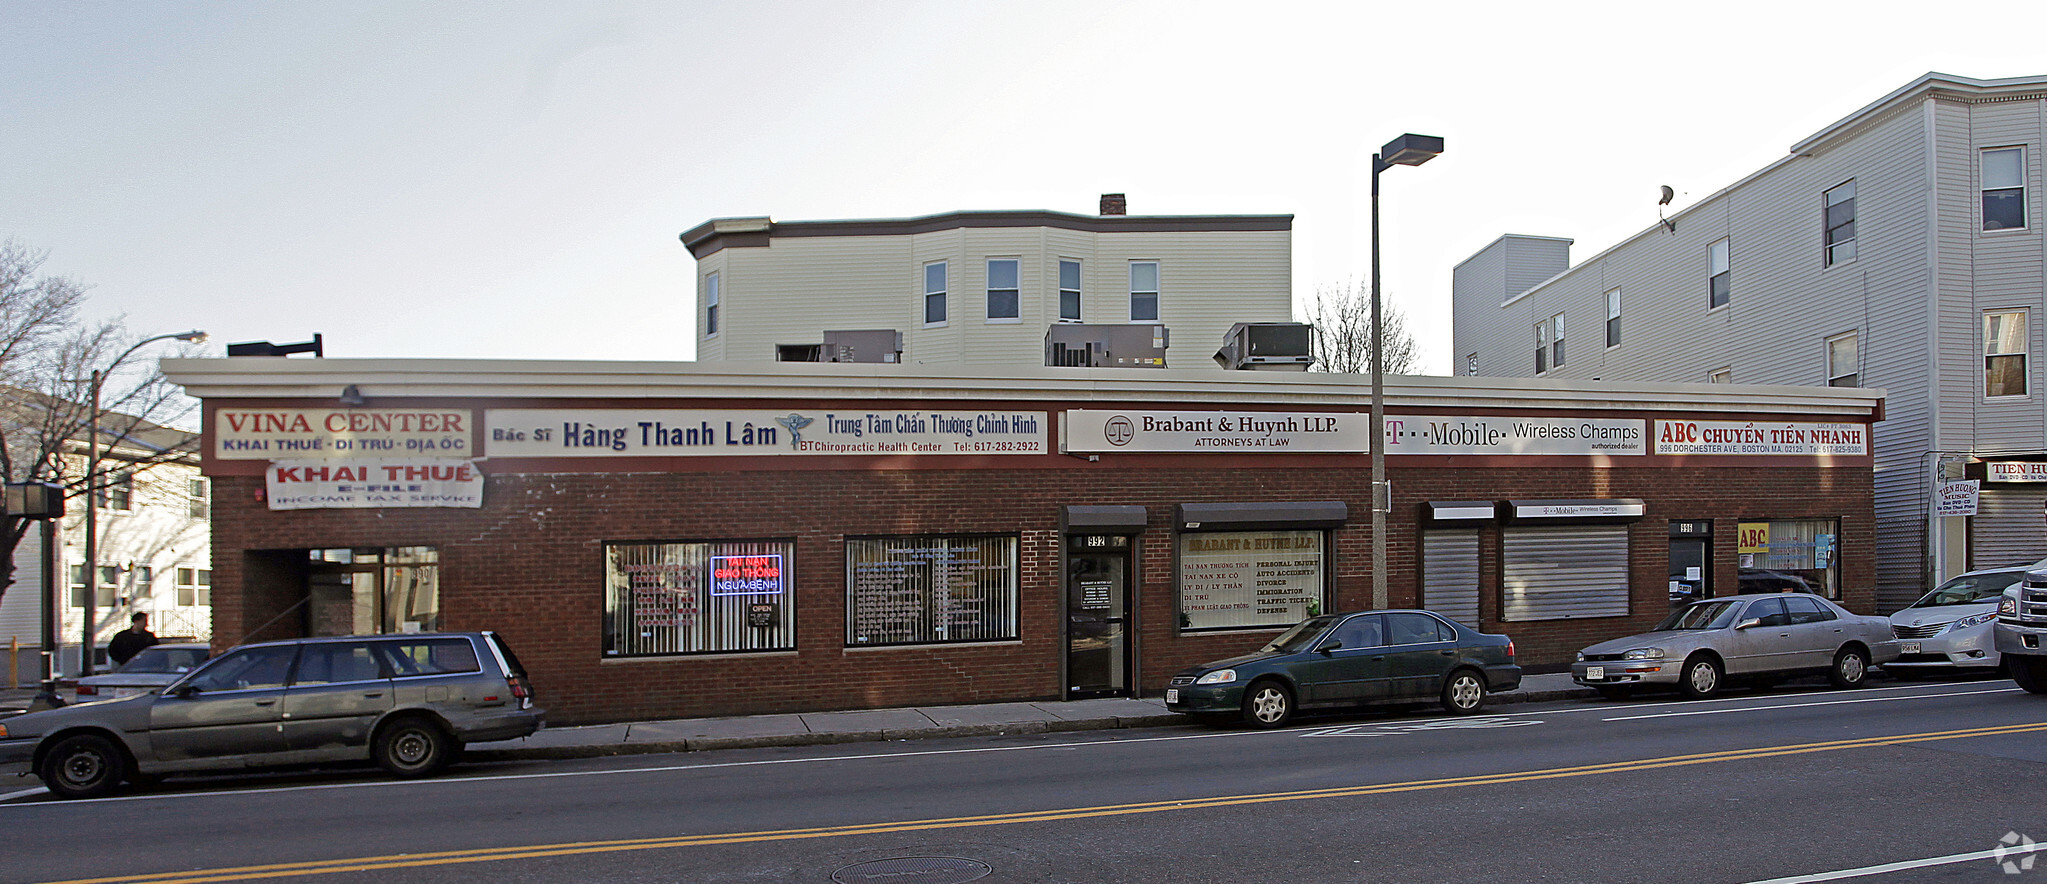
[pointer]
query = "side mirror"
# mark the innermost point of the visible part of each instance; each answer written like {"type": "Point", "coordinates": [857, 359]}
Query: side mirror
{"type": "Point", "coordinates": [1326, 647]}
{"type": "Point", "coordinates": [185, 691]}
{"type": "Point", "coordinates": [1749, 623]}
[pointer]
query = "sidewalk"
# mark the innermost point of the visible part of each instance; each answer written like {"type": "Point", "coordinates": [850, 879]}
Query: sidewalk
{"type": "Point", "coordinates": [871, 725]}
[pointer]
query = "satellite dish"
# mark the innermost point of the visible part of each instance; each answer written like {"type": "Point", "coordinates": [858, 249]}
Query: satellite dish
{"type": "Point", "coordinates": [1668, 195]}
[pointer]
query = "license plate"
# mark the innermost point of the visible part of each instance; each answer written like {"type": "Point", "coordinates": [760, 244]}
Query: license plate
{"type": "Point", "coordinates": [1172, 695]}
{"type": "Point", "coordinates": [1595, 673]}
{"type": "Point", "coordinates": [1909, 648]}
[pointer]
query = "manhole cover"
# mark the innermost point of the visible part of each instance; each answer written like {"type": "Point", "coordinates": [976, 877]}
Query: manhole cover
{"type": "Point", "coordinates": [913, 870]}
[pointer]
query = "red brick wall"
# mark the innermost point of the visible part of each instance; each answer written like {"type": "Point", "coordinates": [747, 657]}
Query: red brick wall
{"type": "Point", "coordinates": [529, 564]}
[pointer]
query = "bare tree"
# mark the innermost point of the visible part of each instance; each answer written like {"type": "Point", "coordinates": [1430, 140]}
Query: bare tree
{"type": "Point", "coordinates": [1342, 316]}
{"type": "Point", "coordinates": [48, 355]}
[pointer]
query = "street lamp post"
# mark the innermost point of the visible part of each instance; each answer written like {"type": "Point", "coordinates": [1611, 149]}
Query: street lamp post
{"type": "Point", "coordinates": [92, 469]}
{"type": "Point", "coordinates": [1407, 150]}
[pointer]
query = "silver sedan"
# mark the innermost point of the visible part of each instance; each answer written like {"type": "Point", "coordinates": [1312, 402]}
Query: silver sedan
{"type": "Point", "coordinates": [1762, 638]}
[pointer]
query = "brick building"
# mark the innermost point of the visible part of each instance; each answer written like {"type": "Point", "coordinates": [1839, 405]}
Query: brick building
{"type": "Point", "coordinates": [678, 539]}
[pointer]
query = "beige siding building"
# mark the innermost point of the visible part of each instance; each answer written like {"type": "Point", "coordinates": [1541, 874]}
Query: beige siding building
{"type": "Point", "coordinates": [983, 287]}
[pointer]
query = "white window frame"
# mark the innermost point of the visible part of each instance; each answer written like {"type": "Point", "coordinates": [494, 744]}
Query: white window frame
{"type": "Point", "coordinates": [1983, 184]}
{"type": "Point", "coordinates": [1719, 265]}
{"type": "Point", "coordinates": [1556, 342]}
{"type": "Point", "coordinates": [1471, 365]}
{"type": "Point", "coordinates": [937, 296]}
{"type": "Point", "coordinates": [1157, 283]}
{"type": "Point", "coordinates": [194, 587]}
{"type": "Point", "coordinates": [1613, 318]}
{"type": "Point", "coordinates": [1852, 376]}
{"type": "Point", "coordinates": [1721, 375]}
{"type": "Point", "coordinates": [1827, 227]}
{"type": "Point", "coordinates": [1015, 292]}
{"type": "Point", "coordinates": [1990, 352]}
{"type": "Point", "coordinates": [1079, 279]}
{"type": "Point", "coordinates": [198, 497]}
{"type": "Point", "coordinates": [1542, 366]}
{"type": "Point", "coordinates": [711, 299]}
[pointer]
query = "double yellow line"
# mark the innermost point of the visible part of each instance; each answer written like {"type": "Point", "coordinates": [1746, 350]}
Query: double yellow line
{"type": "Point", "coordinates": [539, 851]}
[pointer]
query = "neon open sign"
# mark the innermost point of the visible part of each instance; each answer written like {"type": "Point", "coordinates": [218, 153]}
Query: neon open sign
{"type": "Point", "coordinates": [746, 575]}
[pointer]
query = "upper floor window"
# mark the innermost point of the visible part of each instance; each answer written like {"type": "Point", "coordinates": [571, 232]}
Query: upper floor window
{"type": "Point", "coordinates": [1471, 365]}
{"type": "Point", "coordinates": [1144, 291]}
{"type": "Point", "coordinates": [711, 305]}
{"type": "Point", "coordinates": [1069, 291]}
{"type": "Point", "coordinates": [1720, 376]}
{"type": "Point", "coordinates": [1719, 285]}
{"type": "Point", "coordinates": [119, 492]}
{"type": "Point", "coordinates": [1549, 344]}
{"type": "Point", "coordinates": [2004, 354]}
{"type": "Point", "coordinates": [934, 293]}
{"type": "Point", "coordinates": [199, 498]}
{"type": "Point", "coordinates": [1613, 318]}
{"type": "Point", "coordinates": [1844, 366]}
{"type": "Point", "coordinates": [1840, 223]}
{"type": "Point", "coordinates": [1002, 288]}
{"type": "Point", "coordinates": [2004, 188]}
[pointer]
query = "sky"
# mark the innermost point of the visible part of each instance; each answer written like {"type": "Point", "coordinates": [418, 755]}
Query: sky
{"type": "Point", "coordinates": [508, 179]}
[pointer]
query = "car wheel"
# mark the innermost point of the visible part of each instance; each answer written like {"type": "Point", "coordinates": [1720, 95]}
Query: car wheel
{"type": "Point", "coordinates": [2029, 672]}
{"type": "Point", "coordinates": [1268, 704]}
{"type": "Point", "coordinates": [1464, 693]}
{"type": "Point", "coordinates": [1702, 678]}
{"type": "Point", "coordinates": [1614, 693]}
{"type": "Point", "coordinates": [1851, 668]}
{"type": "Point", "coordinates": [413, 747]}
{"type": "Point", "coordinates": [84, 766]}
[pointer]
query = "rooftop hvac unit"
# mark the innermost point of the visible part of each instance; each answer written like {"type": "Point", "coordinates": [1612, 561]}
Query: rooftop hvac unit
{"type": "Point", "coordinates": [1268, 346]}
{"type": "Point", "coordinates": [865, 345]}
{"type": "Point", "coordinates": [1080, 345]}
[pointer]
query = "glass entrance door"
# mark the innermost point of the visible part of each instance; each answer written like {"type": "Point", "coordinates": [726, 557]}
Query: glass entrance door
{"type": "Point", "coordinates": [1691, 561]}
{"type": "Point", "coordinates": [1097, 616]}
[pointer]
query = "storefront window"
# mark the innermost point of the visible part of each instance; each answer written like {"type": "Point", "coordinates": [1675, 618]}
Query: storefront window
{"type": "Point", "coordinates": [696, 598]}
{"type": "Point", "coordinates": [1798, 555]}
{"type": "Point", "coordinates": [930, 589]}
{"type": "Point", "coordinates": [1251, 579]}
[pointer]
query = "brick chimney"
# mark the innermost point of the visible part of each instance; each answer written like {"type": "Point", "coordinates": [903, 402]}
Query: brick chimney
{"type": "Point", "coordinates": [1112, 204]}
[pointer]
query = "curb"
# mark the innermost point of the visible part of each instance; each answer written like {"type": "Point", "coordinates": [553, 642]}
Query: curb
{"type": "Point", "coordinates": [712, 744]}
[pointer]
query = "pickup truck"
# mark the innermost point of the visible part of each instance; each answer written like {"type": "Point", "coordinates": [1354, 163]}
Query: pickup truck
{"type": "Point", "coordinates": [2022, 631]}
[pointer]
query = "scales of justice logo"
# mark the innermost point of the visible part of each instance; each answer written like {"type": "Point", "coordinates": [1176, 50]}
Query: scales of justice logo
{"type": "Point", "coordinates": [1119, 430]}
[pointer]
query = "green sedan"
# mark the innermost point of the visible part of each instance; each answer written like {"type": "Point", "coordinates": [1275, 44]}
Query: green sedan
{"type": "Point", "coordinates": [1350, 660]}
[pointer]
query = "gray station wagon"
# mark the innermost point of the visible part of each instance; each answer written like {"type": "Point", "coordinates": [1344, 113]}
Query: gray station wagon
{"type": "Point", "coordinates": [408, 702]}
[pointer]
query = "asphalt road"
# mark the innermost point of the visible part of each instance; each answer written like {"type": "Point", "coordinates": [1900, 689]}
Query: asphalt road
{"type": "Point", "coordinates": [1788, 784]}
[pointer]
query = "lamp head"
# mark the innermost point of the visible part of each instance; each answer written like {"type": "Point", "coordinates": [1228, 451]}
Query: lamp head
{"type": "Point", "coordinates": [194, 336]}
{"type": "Point", "coordinates": [1411, 150]}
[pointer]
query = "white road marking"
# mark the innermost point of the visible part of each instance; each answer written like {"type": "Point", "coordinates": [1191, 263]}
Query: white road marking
{"type": "Point", "coordinates": [6, 801]}
{"type": "Point", "coordinates": [1807, 705]}
{"type": "Point", "coordinates": [1887, 868]}
{"type": "Point", "coordinates": [1416, 727]}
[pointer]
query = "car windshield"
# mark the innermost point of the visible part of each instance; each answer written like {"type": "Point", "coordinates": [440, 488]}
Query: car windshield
{"type": "Point", "coordinates": [161, 660]}
{"type": "Point", "coordinates": [1985, 587]}
{"type": "Point", "coordinates": [1297, 638]}
{"type": "Point", "coordinates": [1704, 615]}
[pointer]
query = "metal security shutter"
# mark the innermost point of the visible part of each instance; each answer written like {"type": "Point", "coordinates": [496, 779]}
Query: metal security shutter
{"type": "Point", "coordinates": [1559, 573]}
{"type": "Point", "coordinates": [1450, 574]}
{"type": "Point", "coordinates": [2008, 528]}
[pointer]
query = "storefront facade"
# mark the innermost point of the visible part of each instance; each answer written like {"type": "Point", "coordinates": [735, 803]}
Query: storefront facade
{"type": "Point", "coordinates": [662, 540]}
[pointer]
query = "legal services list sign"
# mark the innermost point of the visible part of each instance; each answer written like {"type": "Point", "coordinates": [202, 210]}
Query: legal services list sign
{"type": "Point", "coordinates": [535, 432]}
{"type": "Point", "coordinates": [1280, 432]}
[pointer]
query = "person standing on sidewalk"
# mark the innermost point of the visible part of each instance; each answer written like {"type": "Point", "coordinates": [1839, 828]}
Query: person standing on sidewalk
{"type": "Point", "coordinates": [129, 642]}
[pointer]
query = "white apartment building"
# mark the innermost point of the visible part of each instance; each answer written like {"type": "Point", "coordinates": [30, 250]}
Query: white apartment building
{"type": "Point", "coordinates": [154, 557]}
{"type": "Point", "coordinates": [1899, 248]}
{"type": "Point", "coordinates": [983, 287]}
